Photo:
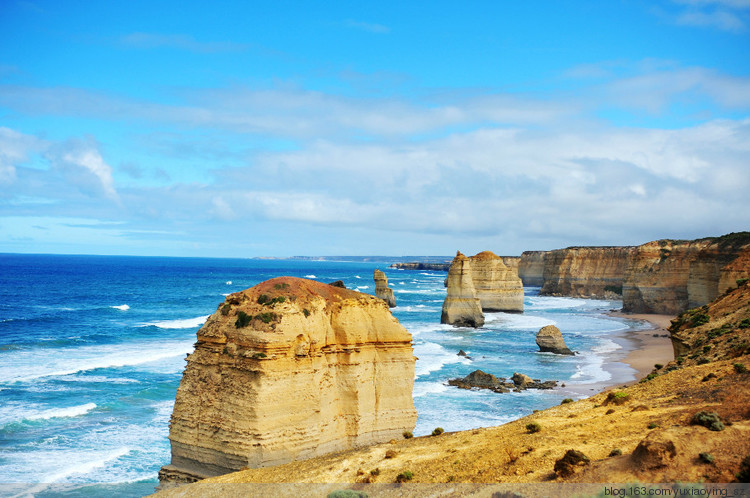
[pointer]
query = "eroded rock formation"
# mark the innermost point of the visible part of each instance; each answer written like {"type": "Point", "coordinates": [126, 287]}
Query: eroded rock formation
{"type": "Point", "coordinates": [497, 286]}
{"type": "Point", "coordinates": [596, 272]}
{"type": "Point", "coordinates": [531, 268]}
{"type": "Point", "coordinates": [461, 306]}
{"type": "Point", "coordinates": [287, 370]}
{"type": "Point", "coordinates": [669, 276]}
{"type": "Point", "coordinates": [382, 290]}
{"type": "Point", "coordinates": [550, 340]}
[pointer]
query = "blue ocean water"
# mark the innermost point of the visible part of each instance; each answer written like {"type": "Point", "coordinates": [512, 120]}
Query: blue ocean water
{"type": "Point", "coordinates": [92, 349]}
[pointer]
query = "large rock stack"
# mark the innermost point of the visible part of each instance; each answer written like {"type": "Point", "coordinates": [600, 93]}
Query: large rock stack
{"type": "Point", "coordinates": [287, 370]}
{"type": "Point", "coordinates": [461, 306]}
{"type": "Point", "coordinates": [382, 290]}
{"type": "Point", "coordinates": [497, 286]}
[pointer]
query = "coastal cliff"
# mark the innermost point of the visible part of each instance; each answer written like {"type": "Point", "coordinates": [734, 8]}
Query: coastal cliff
{"type": "Point", "coordinates": [497, 286]}
{"type": "Point", "coordinates": [287, 370]}
{"type": "Point", "coordinates": [461, 306]}
{"type": "Point", "coordinates": [531, 268]}
{"type": "Point", "coordinates": [595, 272]}
{"type": "Point", "coordinates": [686, 422]}
{"type": "Point", "coordinates": [671, 276]}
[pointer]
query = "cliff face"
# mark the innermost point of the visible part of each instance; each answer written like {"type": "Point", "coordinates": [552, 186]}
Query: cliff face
{"type": "Point", "coordinates": [531, 268]}
{"type": "Point", "coordinates": [382, 290]}
{"type": "Point", "coordinates": [497, 286]}
{"type": "Point", "coordinates": [596, 272]}
{"type": "Point", "coordinates": [287, 370]}
{"type": "Point", "coordinates": [668, 276]}
{"type": "Point", "coordinates": [461, 306]}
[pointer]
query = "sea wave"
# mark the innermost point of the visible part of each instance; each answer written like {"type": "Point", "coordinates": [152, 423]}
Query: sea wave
{"type": "Point", "coordinates": [515, 321]}
{"type": "Point", "coordinates": [121, 307]}
{"type": "Point", "coordinates": [425, 388]}
{"type": "Point", "coordinates": [180, 323]}
{"type": "Point", "coordinates": [310, 276]}
{"type": "Point", "coordinates": [433, 357]}
{"type": "Point", "coordinates": [26, 365]}
{"type": "Point", "coordinates": [71, 411]}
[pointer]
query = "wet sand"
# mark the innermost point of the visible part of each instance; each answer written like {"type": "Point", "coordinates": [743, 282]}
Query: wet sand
{"type": "Point", "coordinates": [642, 352]}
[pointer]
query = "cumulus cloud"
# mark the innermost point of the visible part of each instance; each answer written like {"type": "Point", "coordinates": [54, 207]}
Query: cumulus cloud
{"type": "Point", "coordinates": [725, 15]}
{"type": "Point", "coordinates": [14, 149]}
{"type": "Point", "coordinates": [83, 166]}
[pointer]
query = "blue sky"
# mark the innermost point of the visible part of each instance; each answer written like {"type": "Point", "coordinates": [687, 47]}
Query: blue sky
{"type": "Point", "coordinates": [242, 129]}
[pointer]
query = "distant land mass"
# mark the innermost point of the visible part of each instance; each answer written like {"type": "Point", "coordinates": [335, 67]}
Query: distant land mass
{"type": "Point", "coordinates": [367, 259]}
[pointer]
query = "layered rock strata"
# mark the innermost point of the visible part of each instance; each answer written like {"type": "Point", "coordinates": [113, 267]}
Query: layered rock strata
{"type": "Point", "coordinates": [287, 370]}
{"type": "Point", "coordinates": [382, 290]}
{"type": "Point", "coordinates": [594, 272]}
{"type": "Point", "coordinates": [670, 276]}
{"type": "Point", "coordinates": [531, 268]}
{"type": "Point", "coordinates": [461, 306]}
{"type": "Point", "coordinates": [497, 286]}
{"type": "Point", "coordinates": [550, 340]}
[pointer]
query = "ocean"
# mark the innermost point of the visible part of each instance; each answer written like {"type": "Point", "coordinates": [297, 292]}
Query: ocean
{"type": "Point", "coordinates": [92, 349]}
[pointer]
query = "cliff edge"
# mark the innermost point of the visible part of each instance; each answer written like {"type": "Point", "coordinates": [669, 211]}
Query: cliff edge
{"type": "Point", "coordinates": [287, 370]}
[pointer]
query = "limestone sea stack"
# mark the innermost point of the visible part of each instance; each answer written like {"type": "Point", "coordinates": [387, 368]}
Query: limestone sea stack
{"type": "Point", "coordinates": [497, 286]}
{"type": "Point", "coordinates": [382, 290]}
{"type": "Point", "coordinates": [287, 370]}
{"type": "Point", "coordinates": [550, 340]}
{"type": "Point", "coordinates": [461, 306]}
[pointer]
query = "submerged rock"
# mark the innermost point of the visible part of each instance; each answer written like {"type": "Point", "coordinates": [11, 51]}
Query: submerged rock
{"type": "Point", "coordinates": [287, 370]}
{"type": "Point", "coordinates": [483, 380]}
{"type": "Point", "coordinates": [550, 340]}
{"type": "Point", "coordinates": [461, 306]}
{"type": "Point", "coordinates": [382, 290]}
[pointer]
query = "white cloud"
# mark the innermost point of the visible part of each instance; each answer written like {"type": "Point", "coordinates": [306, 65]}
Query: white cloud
{"type": "Point", "coordinates": [178, 41]}
{"type": "Point", "coordinates": [83, 166]}
{"type": "Point", "coordinates": [14, 149]}
{"type": "Point", "coordinates": [725, 15]}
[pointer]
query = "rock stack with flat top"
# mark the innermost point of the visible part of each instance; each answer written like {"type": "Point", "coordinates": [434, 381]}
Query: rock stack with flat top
{"type": "Point", "coordinates": [382, 290]}
{"type": "Point", "coordinates": [461, 306]}
{"type": "Point", "coordinates": [287, 370]}
{"type": "Point", "coordinates": [497, 286]}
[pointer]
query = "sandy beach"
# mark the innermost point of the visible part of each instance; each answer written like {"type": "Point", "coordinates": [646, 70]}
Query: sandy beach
{"type": "Point", "coordinates": [654, 345]}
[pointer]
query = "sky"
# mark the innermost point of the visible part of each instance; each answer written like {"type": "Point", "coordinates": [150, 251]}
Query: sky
{"type": "Point", "coordinates": [259, 128]}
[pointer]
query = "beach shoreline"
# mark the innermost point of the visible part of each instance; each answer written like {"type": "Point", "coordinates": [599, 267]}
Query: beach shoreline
{"type": "Point", "coordinates": [641, 350]}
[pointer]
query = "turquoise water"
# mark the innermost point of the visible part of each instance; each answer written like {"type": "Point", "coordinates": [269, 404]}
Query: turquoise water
{"type": "Point", "coordinates": [92, 350]}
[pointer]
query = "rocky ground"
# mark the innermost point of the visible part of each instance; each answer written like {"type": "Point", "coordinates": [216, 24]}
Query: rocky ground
{"type": "Point", "coordinates": [644, 432]}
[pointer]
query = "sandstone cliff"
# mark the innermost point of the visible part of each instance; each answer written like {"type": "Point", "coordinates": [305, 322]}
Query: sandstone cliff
{"type": "Point", "coordinates": [382, 290]}
{"type": "Point", "coordinates": [461, 306]}
{"type": "Point", "coordinates": [670, 276]}
{"type": "Point", "coordinates": [596, 272]}
{"type": "Point", "coordinates": [531, 268]}
{"type": "Point", "coordinates": [497, 286]}
{"type": "Point", "coordinates": [287, 370]}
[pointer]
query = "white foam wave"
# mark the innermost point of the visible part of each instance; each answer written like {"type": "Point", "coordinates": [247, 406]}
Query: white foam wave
{"type": "Point", "coordinates": [180, 323]}
{"type": "Point", "coordinates": [28, 365]}
{"type": "Point", "coordinates": [121, 307]}
{"type": "Point", "coordinates": [516, 321]}
{"type": "Point", "coordinates": [417, 308]}
{"type": "Point", "coordinates": [310, 276]}
{"type": "Point", "coordinates": [424, 388]}
{"type": "Point", "coordinates": [433, 357]}
{"type": "Point", "coordinates": [82, 468]}
{"type": "Point", "coordinates": [71, 411]}
{"type": "Point", "coordinates": [606, 346]}
{"type": "Point", "coordinates": [402, 283]}
{"type": "Point", "coordinates": [229, 282]}
{"type": "Point", "coordinates": [357, 276]}
{"type": "Point", "coordinates": [362, 287]}
{"type": "Point", "coordinates": [548, 302]}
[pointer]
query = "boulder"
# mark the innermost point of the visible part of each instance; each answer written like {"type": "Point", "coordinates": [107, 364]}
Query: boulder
{"type": "Point", "coordinates": [382, 290]}
{"type": "Point", "coordinates": [287, 370]}
{"type": "Point", "coordinates": [521, 380]}
{"type": "Point", "coordinates": [461, 306]}
{"type": "Point", "coordinates": [550, 340]}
